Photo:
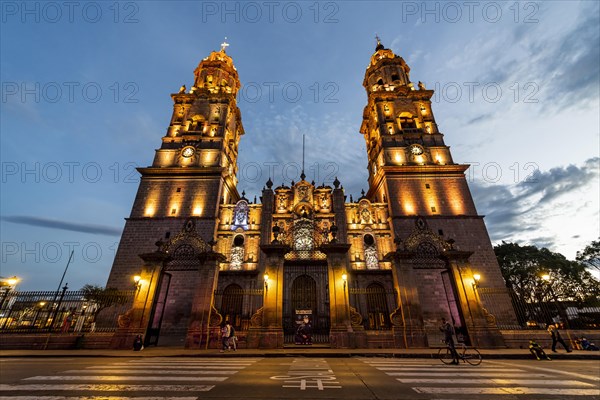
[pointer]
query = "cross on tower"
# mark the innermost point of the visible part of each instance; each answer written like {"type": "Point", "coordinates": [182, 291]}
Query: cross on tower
{"type": "Point", "coordinates": [224, 45]}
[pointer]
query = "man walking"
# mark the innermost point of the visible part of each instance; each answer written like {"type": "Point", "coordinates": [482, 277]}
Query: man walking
{"type": "Point", "coordinates": [556, 338]}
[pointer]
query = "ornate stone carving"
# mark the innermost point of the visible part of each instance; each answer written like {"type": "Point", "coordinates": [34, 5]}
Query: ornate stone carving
{"type": "Point", "coordinates": [124, 320]}
{"type": "Point", "coordinates": [215, 318]}
{"type": "Point", "coordinates": [355, 317]}
{"type": "Point", "coordinates": [256, 320]}
{"type": "Point", "coordinates": [396, 318]}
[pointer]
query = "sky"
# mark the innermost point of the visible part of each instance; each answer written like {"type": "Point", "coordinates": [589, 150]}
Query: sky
{"type": "Point", "coordinates": [86, 99]}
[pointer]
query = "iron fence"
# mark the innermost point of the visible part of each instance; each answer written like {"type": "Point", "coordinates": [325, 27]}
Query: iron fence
{"type": "Point", "coordinates": [64, 311]}
{"type": "Point", "coordinates": [537, 315]}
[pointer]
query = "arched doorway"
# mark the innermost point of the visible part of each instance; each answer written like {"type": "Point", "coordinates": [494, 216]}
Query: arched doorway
{"type": "Point", "coordinates": [306, 301]}
{"type": "Point", "coordinates": [231, 305]}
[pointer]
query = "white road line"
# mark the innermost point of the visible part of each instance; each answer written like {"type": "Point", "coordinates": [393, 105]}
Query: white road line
{"type": "Point", "coordinates": [123, 378]}
{"type": "Point", "coordinates": [154, 361]}
{"type": "Point", "coordinates": [511, 390]}
{"type": "Point", "coordinates": [141, 371]}
{"type": "Point", "coordinates": [93, 398]}
{"type": "Point", "coordinates": [111, 388]}
{"type": "Point", "coordinates": [549, 382]}
{"type": "Point", "coordinates": [166, 367]}
{"type": "Point", "coordinates": [462, 368]}
{"type": "Point", "coordinates": [189, 364]}
{"type": "Point", "coordinates": [556, 371]}
{"type": "Point", "coordinates": [478, 374]}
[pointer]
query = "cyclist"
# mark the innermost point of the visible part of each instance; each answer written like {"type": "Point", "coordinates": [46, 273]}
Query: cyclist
{"type": "Point", "coordinates": [448, 331]}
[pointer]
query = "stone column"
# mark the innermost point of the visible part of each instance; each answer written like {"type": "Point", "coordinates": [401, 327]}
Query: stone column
{"type": "Point", "coordinates": [198, 334]}
{"type": "Point", "coordinates": [342, 333]}
{"type": "Point", "coordinates": [136, 320]}
{"type": "Point", "coordinates": [407, 320]}
{"type": "Point", "coordinates": [480, 325]}
{"type": "Point", "coordinates": [266, 331]}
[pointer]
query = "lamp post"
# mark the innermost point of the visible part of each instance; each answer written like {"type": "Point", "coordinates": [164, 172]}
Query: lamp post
{"type": "Point", "coordinates": [561, 312]}
{"type": "Point", "coordinates": [9, 284]}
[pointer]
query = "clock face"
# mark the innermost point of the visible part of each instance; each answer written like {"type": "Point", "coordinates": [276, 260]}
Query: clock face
{"type": "Point", "coordinates": [416, 150]}
{"type": "Point", "coordinates": [188, 152]}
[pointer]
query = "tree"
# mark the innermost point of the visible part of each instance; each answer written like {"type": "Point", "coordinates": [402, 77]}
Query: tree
{"type": "Point", "coordinates": [523, 267]}
{"type": "Point", "coordinates": [590, 256]}
{"type": "Point", "coordinates": [104, 297]}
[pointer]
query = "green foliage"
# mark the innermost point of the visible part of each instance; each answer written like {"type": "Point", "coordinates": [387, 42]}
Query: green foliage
{"type": "Point", "coordinates": [523, 267]}
{"type": "Point", "coordinates": [590, 256]}
{"type": "Point", "coordinates": [104, 297]}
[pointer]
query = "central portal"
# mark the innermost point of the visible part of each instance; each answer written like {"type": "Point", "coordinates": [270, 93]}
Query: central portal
{"type": "Point", "coordinates": [306, 304]}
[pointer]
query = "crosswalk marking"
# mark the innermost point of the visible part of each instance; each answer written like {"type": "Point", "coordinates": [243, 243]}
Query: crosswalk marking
{"type": "Point", "coordinates": [508, 390]}
{"type": "Point", "coordinates": [480, 375]}
{"type": "Point", "coordinates": [110, 388]}
{"type": "Point", "coordinates": [429, 377]}
{"type": "Point", "coordinates": [93, 398]}
{"type": "Point", "coordinates": [122, 378]}
{"type": "Point", "coordinates": [165, 367]}
{"type": "Point", "coordinates": [144, 375]}
{"type": "Point", "coordinates": [142, 371]}
{"type": "Point", "coordinates": [445, 368]}
{"type": "Point", "coordinates": [474, 381]}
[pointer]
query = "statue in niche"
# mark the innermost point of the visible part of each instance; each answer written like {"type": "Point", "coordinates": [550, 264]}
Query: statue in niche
{"type": "Point", "coordinates": [282, 202]}
{"type": "Point", "coordinates": [324, 201]}
{"type": "Point", "coordinates": [303, 192]}
{"type": "Point", "coordinates": [365, 216]}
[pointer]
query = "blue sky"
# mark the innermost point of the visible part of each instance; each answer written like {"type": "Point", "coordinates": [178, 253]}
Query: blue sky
{"type": "Point", "coordinates": [86, 99]}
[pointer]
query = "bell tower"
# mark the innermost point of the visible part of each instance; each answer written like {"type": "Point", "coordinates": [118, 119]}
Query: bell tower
{"type": "Point", "coordinates": [194, 170]}
{"type": "Point", "coordinates": [442, 243]}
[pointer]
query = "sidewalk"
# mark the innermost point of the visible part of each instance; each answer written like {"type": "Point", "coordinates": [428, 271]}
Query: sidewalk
{"type": "Point", "coordinates": [292, 352]}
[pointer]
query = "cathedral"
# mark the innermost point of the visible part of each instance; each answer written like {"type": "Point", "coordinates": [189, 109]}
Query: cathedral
{"type": "Point", "coordinates": [306, 266]}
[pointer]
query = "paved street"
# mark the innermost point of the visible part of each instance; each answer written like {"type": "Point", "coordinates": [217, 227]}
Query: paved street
{"type": "Point", "coordinates": [190, 378]}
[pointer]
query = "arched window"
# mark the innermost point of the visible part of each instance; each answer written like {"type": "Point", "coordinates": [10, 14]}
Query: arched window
{"type": "Point", "coordinates": [370, 252]}
{"type": "Point", "coordinates": [231, 305]}
{"type": "Point", "coordinates": [377, 308]}
{"type": "Point", "coordinates": [407, 121]}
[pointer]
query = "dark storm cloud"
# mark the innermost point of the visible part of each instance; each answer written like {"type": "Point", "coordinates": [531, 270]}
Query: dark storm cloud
{"type": "Point", "coordinates": [66, 226]}
{"type": "Point", "coordinates": [510, 210]}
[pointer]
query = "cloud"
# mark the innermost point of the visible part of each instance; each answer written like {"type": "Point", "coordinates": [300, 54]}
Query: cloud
{"type": "Point", "coordinates": [67, 226]}
{"type": "Point", "coordinates": [520, 210]}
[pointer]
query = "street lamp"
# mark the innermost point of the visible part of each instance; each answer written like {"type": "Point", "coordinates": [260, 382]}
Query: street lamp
{"type": "Point", "coordinates": [266, 278]}
{"type": "Point", "coordinates": [137, 282]}
{"type": "Point", "coordinates": [561, 313]}
{"type": "Point", "coordinates": [10, 284]}
{"type": "Point", "coordinates": [345, 279]}
{"type": "Point", "coordinates": [476, 279]}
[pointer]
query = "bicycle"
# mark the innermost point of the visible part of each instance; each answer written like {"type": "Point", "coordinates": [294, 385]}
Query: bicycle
{"type": "Point", "coordinates": [466, 354]}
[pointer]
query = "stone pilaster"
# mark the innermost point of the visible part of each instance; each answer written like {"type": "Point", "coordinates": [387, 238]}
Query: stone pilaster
{"type": "Point", "coordinates": [480, 325]}
{"type": "Point", "coordinates": [341, 333]}
{"type": "Point", "coordinates": [407, 319]}
{"type": "Point", "coordinates": [198, 334]}
{"type": "Point", "coordinates": [135, 321]}
{"type": "Point", "coordinates": [268, 333]}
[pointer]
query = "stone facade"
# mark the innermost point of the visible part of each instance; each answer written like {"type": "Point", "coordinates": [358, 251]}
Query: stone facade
{"type": "Point", "coordinates": [305, 265]}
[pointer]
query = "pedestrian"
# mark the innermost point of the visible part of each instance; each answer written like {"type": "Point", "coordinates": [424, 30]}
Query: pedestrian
{"type": "Point", "coordinates": [448, 331]}
{"type": "Point", "coordinates": [557, 338]}
{"type": "Point", "coordinates": [66, 325]}
{"type": "Point", "coordinates": [537, 350]}
{"type": "Point", "coordinates": [586, 345]}
{"type": "Point", "coordinates": [232, 338]}
{"type": "Point", "coordinates": [225, 332]}
{"type": "Point", "coordinates": [138, 343]}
